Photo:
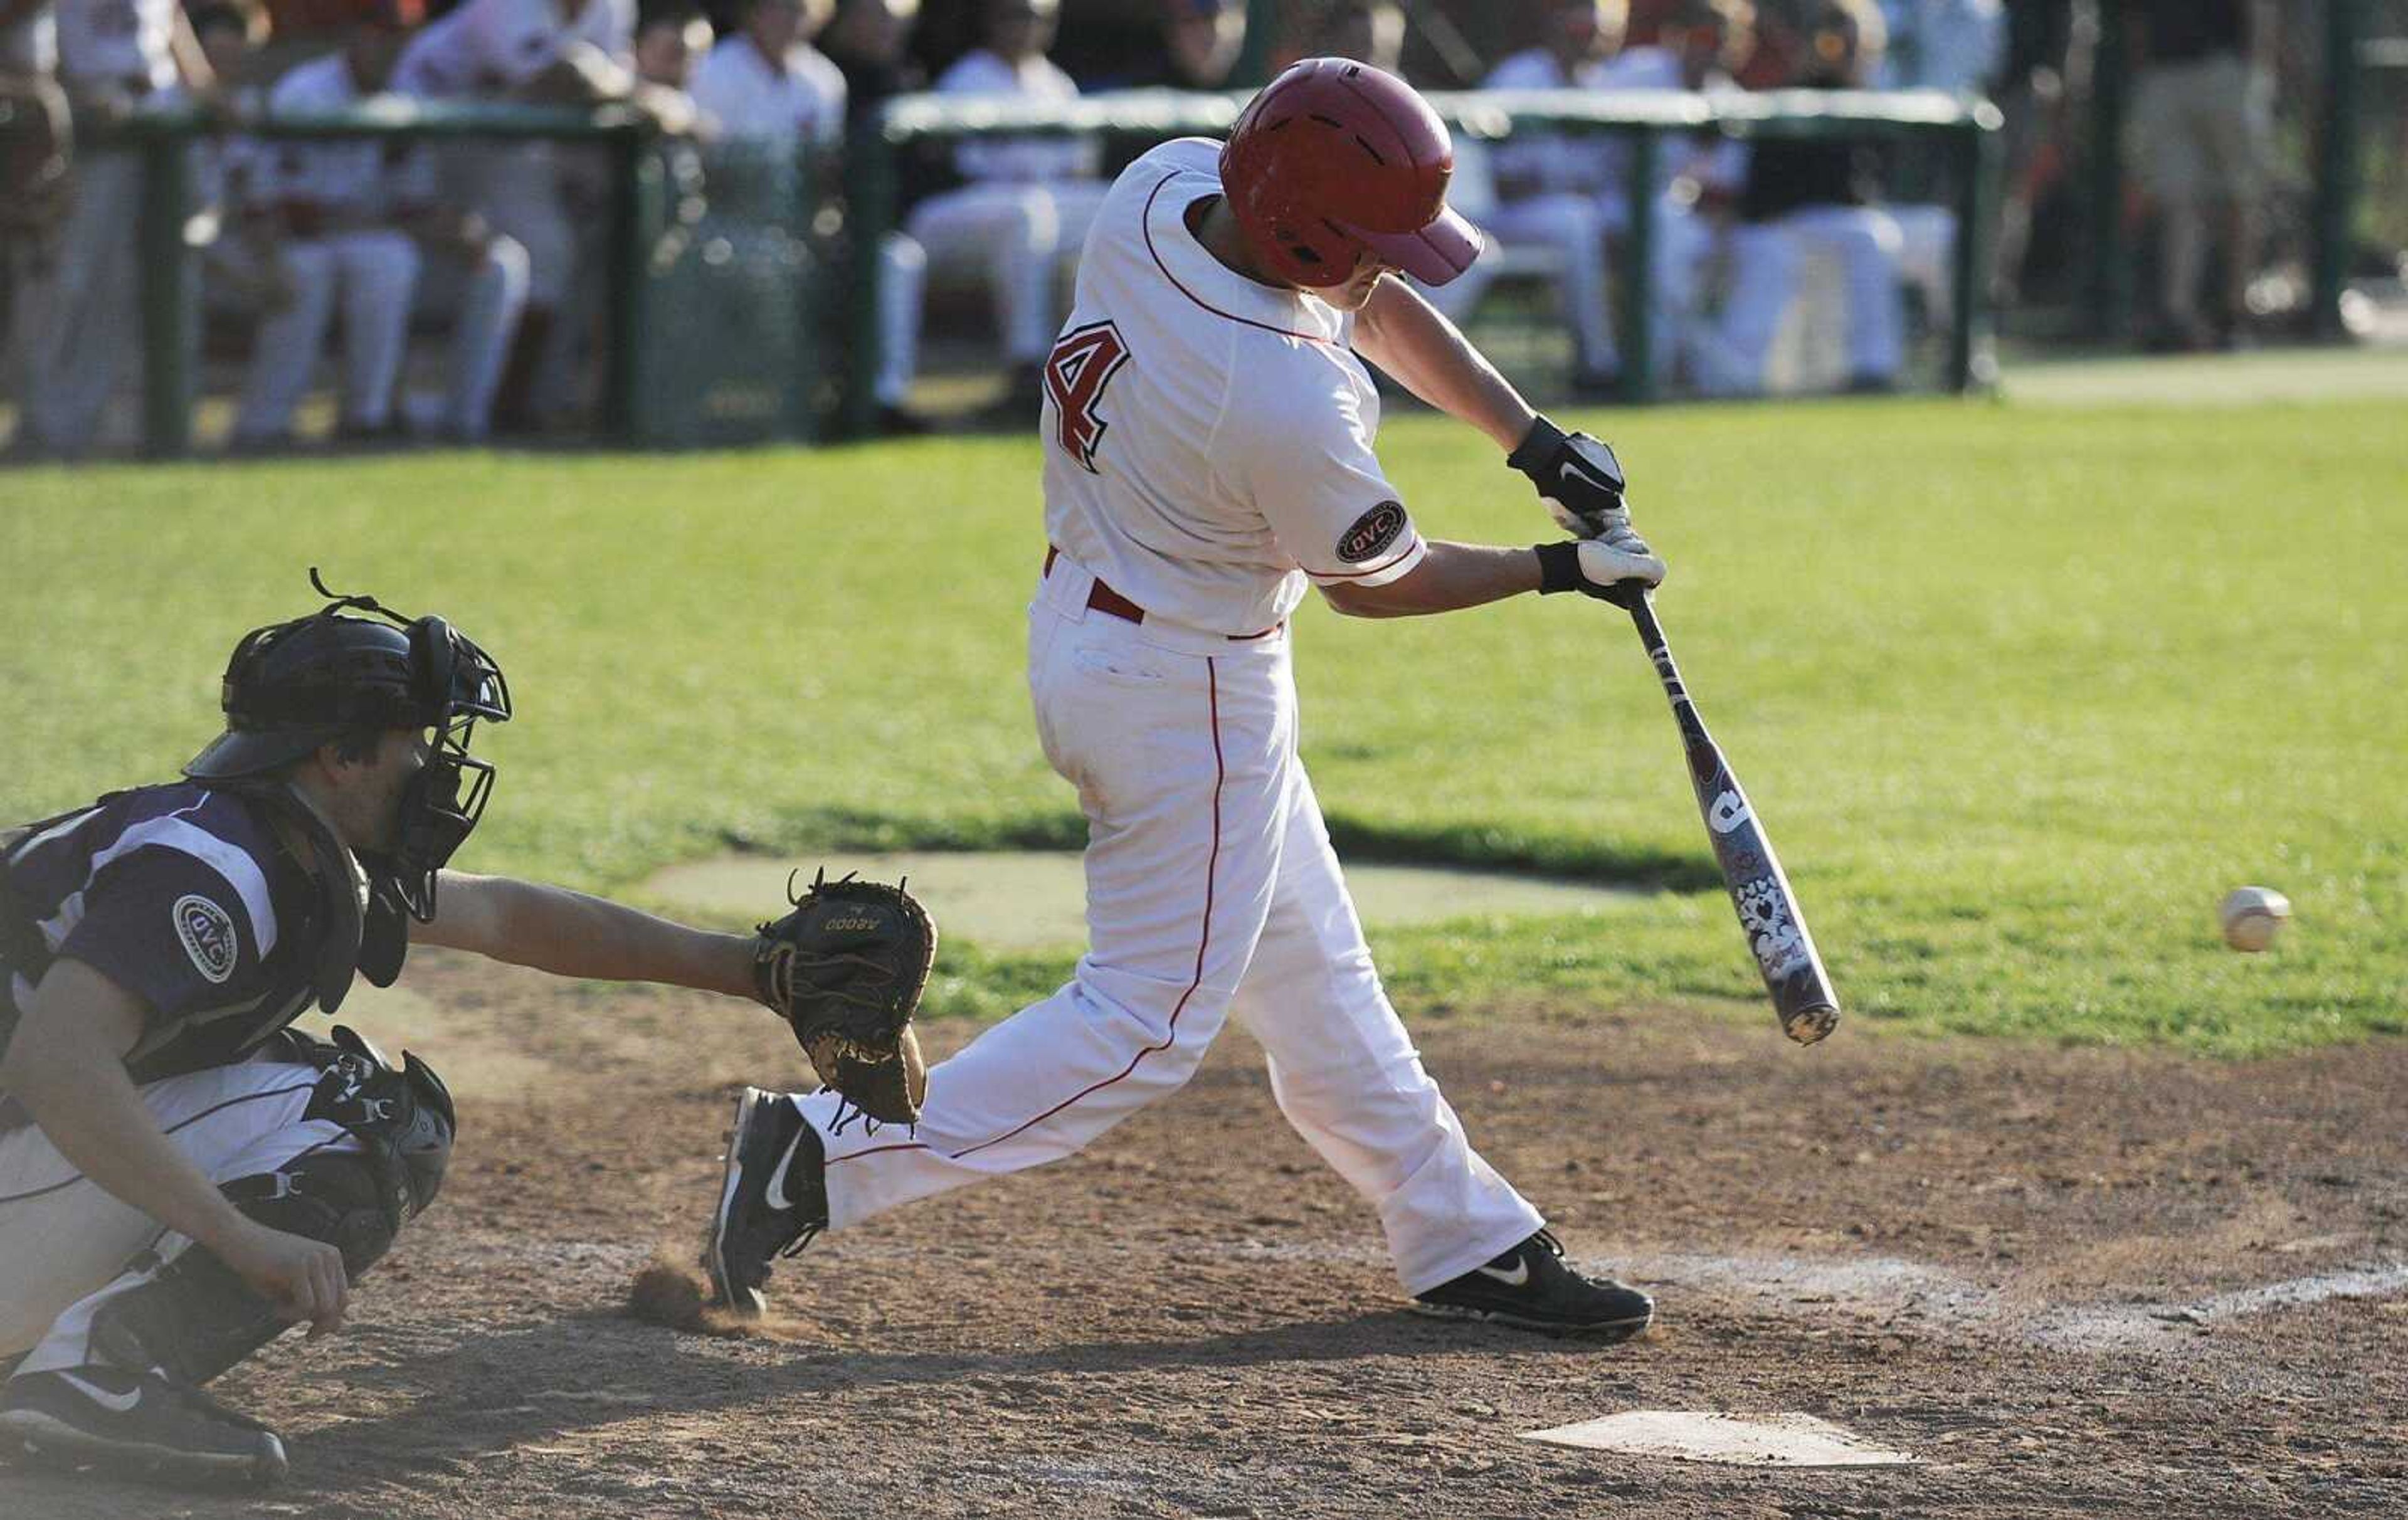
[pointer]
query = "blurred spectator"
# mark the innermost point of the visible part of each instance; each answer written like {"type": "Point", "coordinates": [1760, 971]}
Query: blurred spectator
{"type": "Point", "coordinates": [28, 38]}
{"type": "Point", "coordinates": [1956, 46]}
{"type": "Point", "coordinates": [670, 38]}
{"type": "Point", "coordinates": [35, 174]}
{"type": "Point", "coordinates": [1025, 204]}
{"type": "Point", "coordinates": [361, 221]}
{"type": "Point", "coordinates": [765, 79]}
{"type": "Point", "coordinates": [83, 314]}
{"type": "Point", "coordinates": [1368, 31]}
{"type": "Point", "coordinates": [1201, 40]}
{"type": "Point", "coordinates": [2202, 120]}
{"type": "Point", "coordinates": [869, 41]}
{"type": "Point", "coordinates": [1558, 194]}
{"type": "Point", "coordinates": [553, 50]}
{"type": "Point", "coordinates": [1805, 199]}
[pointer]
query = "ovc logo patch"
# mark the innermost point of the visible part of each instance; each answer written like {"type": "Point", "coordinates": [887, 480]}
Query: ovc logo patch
{"type": "Point", "coordinates": [208, 933]}
{"type": "Point", "coordinates": [1372, 532]}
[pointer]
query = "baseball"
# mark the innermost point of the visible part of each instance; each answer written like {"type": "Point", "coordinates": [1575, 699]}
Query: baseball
{"type": "Point", "coordinates": [2252, 916]}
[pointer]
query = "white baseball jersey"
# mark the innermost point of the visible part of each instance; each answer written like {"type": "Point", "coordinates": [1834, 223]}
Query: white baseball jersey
{"type": "Point", "coordinates": [1024, 160]}
{"type": "Point", "coordinates": [1209, 438]}
{"type": "Point", "coordinates": [1542, 162]}
{"type": "Point", "coordinates": [491, 46]}
{"type": "Point", "coordinates": [345, 176]}
{"type": "Point", "coordinates": [121, 40]}
{"type": "Point", "coordinates": [801, 97]}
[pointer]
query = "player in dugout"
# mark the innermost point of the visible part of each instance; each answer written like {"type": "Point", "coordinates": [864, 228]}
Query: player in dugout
{"type": "Point", "coordinates": [184, 1174]}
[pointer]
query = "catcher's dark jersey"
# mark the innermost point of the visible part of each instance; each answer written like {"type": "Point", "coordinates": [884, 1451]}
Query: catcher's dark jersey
{"type": "Point", "coordinates": [182, 895]}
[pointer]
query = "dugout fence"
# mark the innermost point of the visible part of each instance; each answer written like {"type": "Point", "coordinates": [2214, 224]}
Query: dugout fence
{"type": "Point", "coordinates": [740, 284]}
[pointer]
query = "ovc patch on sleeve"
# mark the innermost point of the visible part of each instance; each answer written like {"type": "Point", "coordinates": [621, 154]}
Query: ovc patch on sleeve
{"type": "Point", "coordinates": [1373, 533]}
{"type": "Point", "coordinates": [208, 933]}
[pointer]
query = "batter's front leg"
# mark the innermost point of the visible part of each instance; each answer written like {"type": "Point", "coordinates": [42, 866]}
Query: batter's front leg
{"type": "Point", "coordinates": [1178, 761]}
{"type": "Point", "coordinates": [1346, 1074]}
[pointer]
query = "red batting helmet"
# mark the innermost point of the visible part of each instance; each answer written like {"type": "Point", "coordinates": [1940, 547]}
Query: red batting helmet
{"type": "Point", "coordinates": [1335, 160]}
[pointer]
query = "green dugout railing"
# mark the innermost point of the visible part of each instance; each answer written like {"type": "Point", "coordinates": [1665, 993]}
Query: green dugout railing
{"type": "Point", "coordinates": [162, 137]}
{"type": "Point", "coordinates": [1966, 130]}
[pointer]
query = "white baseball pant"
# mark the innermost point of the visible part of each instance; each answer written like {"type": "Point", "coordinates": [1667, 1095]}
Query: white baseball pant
{"type": "Point", "coordinates": [1765, 259]}
{"type": "Point", "coordinates": [902, 285]}
{"type": "Point", "coordinates": [1010, 238]}
{"type": "Point", "coordinates": [1212, 890]}
{"type": "Point", "coordinates": [375, 272]}
{"type": "Point", "coordinates": [67, 1246]}
{"type": "Point", "coordinates": [481, 331]}
{"type": "Point", "coordinates": [82, 321]}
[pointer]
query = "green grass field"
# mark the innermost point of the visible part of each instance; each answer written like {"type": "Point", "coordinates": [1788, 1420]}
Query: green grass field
{"type": "Point", "coordinates": [2020, 693]}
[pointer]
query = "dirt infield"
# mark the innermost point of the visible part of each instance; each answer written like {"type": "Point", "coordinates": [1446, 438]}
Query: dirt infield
{"type": "Point", "coordinates": [2073, 1282]}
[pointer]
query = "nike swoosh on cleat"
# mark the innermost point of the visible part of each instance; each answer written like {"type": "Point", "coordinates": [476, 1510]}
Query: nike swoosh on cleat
{"type": "Point", "coordinates": [775, 1195]}
{"type": "Point", "coordinates": [123, 1403]}
{"type": "Point", "coordinates": [1518, 1276]}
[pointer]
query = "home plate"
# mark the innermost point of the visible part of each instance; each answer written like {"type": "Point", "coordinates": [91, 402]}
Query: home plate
{"type": "Point", "coordinates": [1763, 1440]}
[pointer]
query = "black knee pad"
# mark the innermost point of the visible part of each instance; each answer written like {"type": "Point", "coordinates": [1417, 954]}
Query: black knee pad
{"type": "Point", "coordinates": [193, 1317]}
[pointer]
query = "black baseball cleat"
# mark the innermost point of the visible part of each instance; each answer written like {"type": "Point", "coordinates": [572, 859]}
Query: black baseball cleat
{"type": "Point", "coordinates": [1530, 1287]}
{"type": "Point", "coordinates": [136, 1424]}
{"type": "Point", "coordinates": [773, 1201]}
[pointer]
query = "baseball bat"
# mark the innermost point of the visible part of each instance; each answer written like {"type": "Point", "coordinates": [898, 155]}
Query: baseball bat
{"type": "Point", "coordinates": [1759, 890]}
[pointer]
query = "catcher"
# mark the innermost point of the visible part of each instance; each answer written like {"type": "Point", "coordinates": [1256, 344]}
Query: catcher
{"type": "Point", "coordinates": [184, 1174]}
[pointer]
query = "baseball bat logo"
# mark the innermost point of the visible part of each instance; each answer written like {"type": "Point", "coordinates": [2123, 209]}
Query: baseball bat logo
{"type": "Point", "coordinates": [1726, 812]}
{"type": "Point", "coordinates": [1772, 933]}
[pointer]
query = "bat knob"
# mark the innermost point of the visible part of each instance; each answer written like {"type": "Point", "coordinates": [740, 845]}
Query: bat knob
{"type": "Point", "coordinates": [1808, 1025]}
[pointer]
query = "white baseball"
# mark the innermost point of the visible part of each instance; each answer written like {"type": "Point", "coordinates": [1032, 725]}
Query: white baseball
{"type": "Point", "coordinates": [2252, 916]}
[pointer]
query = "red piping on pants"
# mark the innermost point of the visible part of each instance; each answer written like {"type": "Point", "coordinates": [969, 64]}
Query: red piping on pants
{"type": "Point", "coordinates": [1204, 940]}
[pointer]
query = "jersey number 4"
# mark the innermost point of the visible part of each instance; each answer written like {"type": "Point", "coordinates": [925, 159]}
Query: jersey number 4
{"type": "Point", "coordinates": [1076, 372]}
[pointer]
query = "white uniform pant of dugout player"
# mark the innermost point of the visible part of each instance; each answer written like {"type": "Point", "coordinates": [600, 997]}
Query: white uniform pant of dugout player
{"type": "Point", "coordinates": [1009, 237]}
{"type": "Point", "coordinates": [1212, 892]}
{"type": "Point", "coordinates": [375, 273]}
{"type": "Point", "coordinates": [67, 1246]}
{"type": "Point", "coordinates": [1574, 229]}
{"type": "Point", "coordinates": [1875, 248]}
{"type": "Point", "coordinates": [376, 276]}
{"type": "Point", "coordinates": [80, 326]}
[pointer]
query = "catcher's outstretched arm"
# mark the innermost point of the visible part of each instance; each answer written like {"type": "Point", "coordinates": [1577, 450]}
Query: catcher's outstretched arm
{"type": "Point", "coordinates": [573, 935]}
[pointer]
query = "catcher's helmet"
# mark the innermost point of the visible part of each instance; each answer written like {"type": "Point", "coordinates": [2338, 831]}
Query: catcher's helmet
{"type": "Point", "coordinates": [294, 686]}
{"type": "Point", "coordinates": [1336, 160]}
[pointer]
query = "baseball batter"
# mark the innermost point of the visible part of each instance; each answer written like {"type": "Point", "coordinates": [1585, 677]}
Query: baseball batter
{"type": "Point", "coordinates": [1208, 431]}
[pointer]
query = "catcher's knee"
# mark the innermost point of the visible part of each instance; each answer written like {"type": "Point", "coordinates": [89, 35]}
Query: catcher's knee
{"type": "Point", "coordinates": [192, 1317]}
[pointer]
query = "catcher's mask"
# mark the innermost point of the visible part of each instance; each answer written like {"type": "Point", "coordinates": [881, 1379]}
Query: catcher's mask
{"type": "Point", "coordinates": [292, 687]}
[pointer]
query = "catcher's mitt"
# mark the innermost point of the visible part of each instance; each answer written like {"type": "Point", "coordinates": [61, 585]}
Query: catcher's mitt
{"type": "Point", "coordinates": [846, 968]}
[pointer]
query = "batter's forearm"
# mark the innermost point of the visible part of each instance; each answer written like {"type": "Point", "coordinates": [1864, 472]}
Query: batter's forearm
{"type": "Point", "coordinates": [1453, 577]}
{"type": "Point", "coordinates": [570, 934]}
{"type": "Point", "coordinates": [1408, 337]}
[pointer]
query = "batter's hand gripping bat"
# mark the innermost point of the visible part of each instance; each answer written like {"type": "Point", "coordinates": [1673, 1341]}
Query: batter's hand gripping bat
{"type": "Point", "coordinates": [1768, 911]}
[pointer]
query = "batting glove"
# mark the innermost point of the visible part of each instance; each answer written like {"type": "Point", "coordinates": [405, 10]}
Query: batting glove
{"type": "Point", "coordinates": [1576, 476]}
{"type": "Point", "coordinates": [1599, 567]}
